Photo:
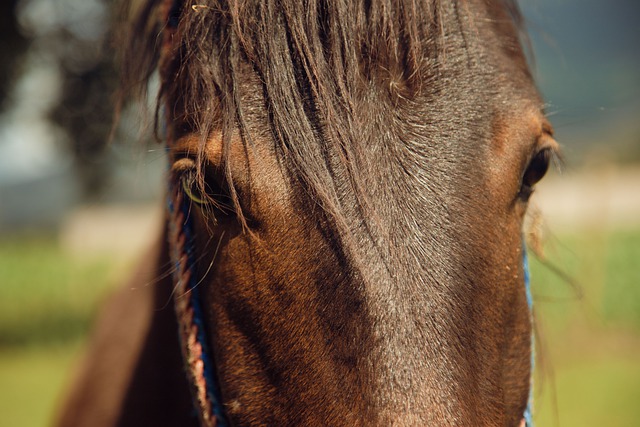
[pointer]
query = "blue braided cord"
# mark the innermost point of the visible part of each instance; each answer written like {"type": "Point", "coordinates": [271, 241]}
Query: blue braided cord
{"type": "Point", "coordinates": [528, 412]}
{"type": "Point", "coordinates": [198, 318]}
{"type": "Point", "coordinates": [527, 277]}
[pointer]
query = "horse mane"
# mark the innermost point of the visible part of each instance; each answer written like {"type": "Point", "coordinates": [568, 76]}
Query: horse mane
{"type": "Point", "coordinates": [316, 61]}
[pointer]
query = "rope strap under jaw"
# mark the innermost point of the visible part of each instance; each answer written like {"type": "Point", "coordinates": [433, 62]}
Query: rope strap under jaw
{"type": "Point", "coordinates": [199, 365]}
{"type": "Point", "coordinates": [182, 293]}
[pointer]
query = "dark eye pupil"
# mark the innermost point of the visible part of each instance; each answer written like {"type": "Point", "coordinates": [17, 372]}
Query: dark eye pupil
{"type": "Point", "coordinates": [535, 172]}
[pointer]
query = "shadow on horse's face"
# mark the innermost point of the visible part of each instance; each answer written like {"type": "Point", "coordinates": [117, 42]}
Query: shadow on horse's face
{"type": "Point", "coordinates": [359, 232]}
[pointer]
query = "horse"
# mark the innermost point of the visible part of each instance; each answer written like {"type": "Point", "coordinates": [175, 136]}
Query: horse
{"type": "Point", "coordinates": [343, 239]}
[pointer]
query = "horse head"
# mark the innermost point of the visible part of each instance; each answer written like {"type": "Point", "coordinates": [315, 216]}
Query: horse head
{"type": "Point", "coordinates": [355, 177]}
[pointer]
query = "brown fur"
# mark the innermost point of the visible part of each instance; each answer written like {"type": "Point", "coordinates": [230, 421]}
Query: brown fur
{"type": "Point", "coordinates": [376, 158]}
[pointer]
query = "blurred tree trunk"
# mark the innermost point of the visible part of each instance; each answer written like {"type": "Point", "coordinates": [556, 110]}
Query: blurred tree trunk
{"type": "Point", "coordinates": [86, 111]}
{"type": "Point", "coordinates": [12, 46]}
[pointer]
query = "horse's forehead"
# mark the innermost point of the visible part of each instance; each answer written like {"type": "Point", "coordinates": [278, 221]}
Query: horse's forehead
{"type": "Point", "coordinates": [471, 105]}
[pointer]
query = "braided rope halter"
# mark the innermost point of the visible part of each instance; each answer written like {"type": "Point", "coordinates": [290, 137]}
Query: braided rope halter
{"type": "Point", "coordinates": [187, 301]}
{"type": "Point", "coordinates": [199, 365]}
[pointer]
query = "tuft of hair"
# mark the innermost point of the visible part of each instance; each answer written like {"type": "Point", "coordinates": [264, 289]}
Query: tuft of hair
{"type": "Point", "coordinates": [314, 58]}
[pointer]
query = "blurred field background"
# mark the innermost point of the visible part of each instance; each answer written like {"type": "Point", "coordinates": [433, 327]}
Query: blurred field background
{"type": "Point", "coordinates": [75, 213]}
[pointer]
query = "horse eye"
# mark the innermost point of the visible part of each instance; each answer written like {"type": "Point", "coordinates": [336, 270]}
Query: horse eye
{"type": "Point", "coordinates": [208, 193]}
{"type": "Point", "coordinates": [536, 170]}
{"type": "Point", "coordinates": [192, 188]}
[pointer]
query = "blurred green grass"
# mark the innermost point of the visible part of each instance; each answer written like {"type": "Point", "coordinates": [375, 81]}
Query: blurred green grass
{"type": "Point", "coordinates": [48, 300]}
{"type": "Point", "coordinates": [47, 296]}
{"type": "Point", "coordinates": [588, 331]}
{"type": "Point", "coordinates": [33, 380]}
